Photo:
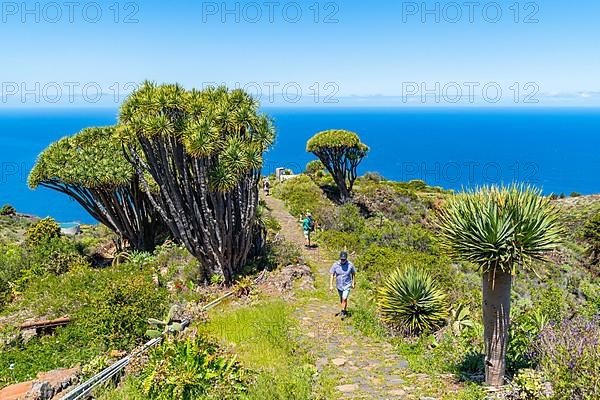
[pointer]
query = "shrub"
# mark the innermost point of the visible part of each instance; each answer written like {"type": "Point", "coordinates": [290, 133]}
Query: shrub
{"type": "Point", "coordinates": [522, 334]}
{"type": "Point", "coordinates": [190, 369]}
{"type": "Point", "coordinates": [56, 255]}
{"type": "Point", "coordinates": [569, 356]}
{"type": "Point", "coordinates": [301, 194]}
{"type": "Point", "coordinates": [53, 255]}
{"type": "Point", "coordinates": [109, 309]}
{"type": "Point", "coordinates": [315, 167]}
{"type": "Point", "coordinates": [8, 210]}
{"type": "Point", "coordinates": [283, 253]}
{"type": "Point", "coordinates": [349, 218]}
{"type": "Point", "coordinates": [385, 199]}
{"type": "Point", "coordinates": [337, 241]}
{"type": "Point", "coordinates": [553, 303]}
{"type": "Point", "coordinates": [411, 300]}
{"type": "Point", "coordinates": [118, 310]}
{"type": "Point", "coordinates": [376, 262]}
{"type": "Point", "coordinates": [529, 384]}
{"type": "Point", "coordinates": [591, 294]}
{"type": "Point", "coordinates": [398, 236]}
{"type": "Point", "coordinates": [44, 229]}
{"type": "Point", "coordinates": [373, 177]}
{"type": "Point", "coordinates": [95, 365]}
{"type": "Point", "coordinates": [271, 223]}
{"type": "Point", "coordinates": [591, 234]}
{"type": "Point", "coordinates": [443, 352]}
{"type": "Point", "coordinates": [12, 261]}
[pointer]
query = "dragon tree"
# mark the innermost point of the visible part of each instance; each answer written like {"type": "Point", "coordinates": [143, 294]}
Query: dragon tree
{"type": "Point", "coordinates": [501, 230]}
{"type": "Point", "coordinates": [91, 168]}
{"type": "Point", "coordinates": [340, 152]}
{"type": "Point", "coordinates": [204, 149]}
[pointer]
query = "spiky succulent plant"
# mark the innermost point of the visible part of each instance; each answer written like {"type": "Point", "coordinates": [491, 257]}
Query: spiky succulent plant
{"type": "Point", "coordinates": [501, 230]}
{"type": "Point", "coordinates": [411, 300]}
{"type": "Point", "coordinates": [164, 326]}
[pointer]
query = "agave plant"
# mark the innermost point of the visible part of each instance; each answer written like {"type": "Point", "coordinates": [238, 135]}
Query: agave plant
{"type": "Point", "coordinates": [500, 230]}
{"type": "Point", "coordinates": [410, 299]}
{"type": "Point", "coordinates": [163, 326]}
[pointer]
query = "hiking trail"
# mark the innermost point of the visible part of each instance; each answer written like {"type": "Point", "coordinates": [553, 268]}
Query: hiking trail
{"type": "Point", "coordinates": [363, 367]}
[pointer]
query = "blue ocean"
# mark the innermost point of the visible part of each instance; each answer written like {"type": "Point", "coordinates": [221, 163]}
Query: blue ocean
{"type": "Point", "coordinates": [555, 149]}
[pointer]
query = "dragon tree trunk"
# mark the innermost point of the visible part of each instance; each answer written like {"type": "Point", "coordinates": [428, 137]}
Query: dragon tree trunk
{"type": "Point", "coordinates": [496, 319]}
{"type": "Point", "coordinates": [216, 227]}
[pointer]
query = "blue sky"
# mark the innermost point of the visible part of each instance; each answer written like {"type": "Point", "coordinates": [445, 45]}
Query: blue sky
{"type": "Point", "coordinates": [355, 51]}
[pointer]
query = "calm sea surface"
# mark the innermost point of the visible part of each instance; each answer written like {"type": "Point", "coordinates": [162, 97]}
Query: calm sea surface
{"type": "Point", "coordinates": [556, 149]}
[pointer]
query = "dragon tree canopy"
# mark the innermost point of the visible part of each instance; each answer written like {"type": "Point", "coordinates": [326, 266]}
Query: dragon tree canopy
{"type": "Point", "coordinates": [221, 125]}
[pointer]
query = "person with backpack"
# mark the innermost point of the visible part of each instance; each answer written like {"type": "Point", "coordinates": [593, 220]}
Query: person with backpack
{"type": "Point", "coordinates": [266, 186]}
{"type": "Point", "coordinates": [308, 226]}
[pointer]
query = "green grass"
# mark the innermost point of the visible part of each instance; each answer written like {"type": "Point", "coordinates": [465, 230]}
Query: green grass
{"type": "Point", "coordinates": [263, 337]}
{"type": "Point", "coordinates": [130, 389]}
{"type": "Point", "coordinates": [261, 334]}
{"type": "Point", "coordinates": [364, 310]}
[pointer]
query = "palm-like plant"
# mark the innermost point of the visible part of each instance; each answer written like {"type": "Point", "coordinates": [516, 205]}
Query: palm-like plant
{"type": "Point", "coordinates": [204, 151]}
{"type": "Point", "coordinates": [340, 152]}
{"type": "Point", "coordinates": [90, 167]}
{"type": "Point", "coordinates": [500, 230]}
{"type": "Point", "coordinates": [410, 299]}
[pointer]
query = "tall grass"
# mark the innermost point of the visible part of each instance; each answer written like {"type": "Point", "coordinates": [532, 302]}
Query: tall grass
{"type": "Point", "coordinates": [263, 337]}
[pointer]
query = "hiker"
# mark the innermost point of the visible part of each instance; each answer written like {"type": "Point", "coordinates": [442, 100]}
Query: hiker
{"type": "Point", "coordinates": [344, 273]}
{"type": "Point", "coordinates": [266, 186]}
{"type": "Point", "coordinates": [308, 225]}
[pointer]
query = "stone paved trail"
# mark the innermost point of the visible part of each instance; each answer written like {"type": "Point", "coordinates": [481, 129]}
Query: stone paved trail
{"type": "Point", "coordinates": [363, 368]}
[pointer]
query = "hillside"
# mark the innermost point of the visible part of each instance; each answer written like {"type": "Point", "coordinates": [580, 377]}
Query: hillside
{"type": "Point", "coordinates": [281, 335]}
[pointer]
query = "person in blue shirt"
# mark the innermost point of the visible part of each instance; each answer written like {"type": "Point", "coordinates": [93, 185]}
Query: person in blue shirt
{"type": "Point", "coordinates": [344, 274]}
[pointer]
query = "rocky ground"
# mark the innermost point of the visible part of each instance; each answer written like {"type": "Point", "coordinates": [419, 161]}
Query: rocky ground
{"type": "Point", "coordinates": [47, 386]}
